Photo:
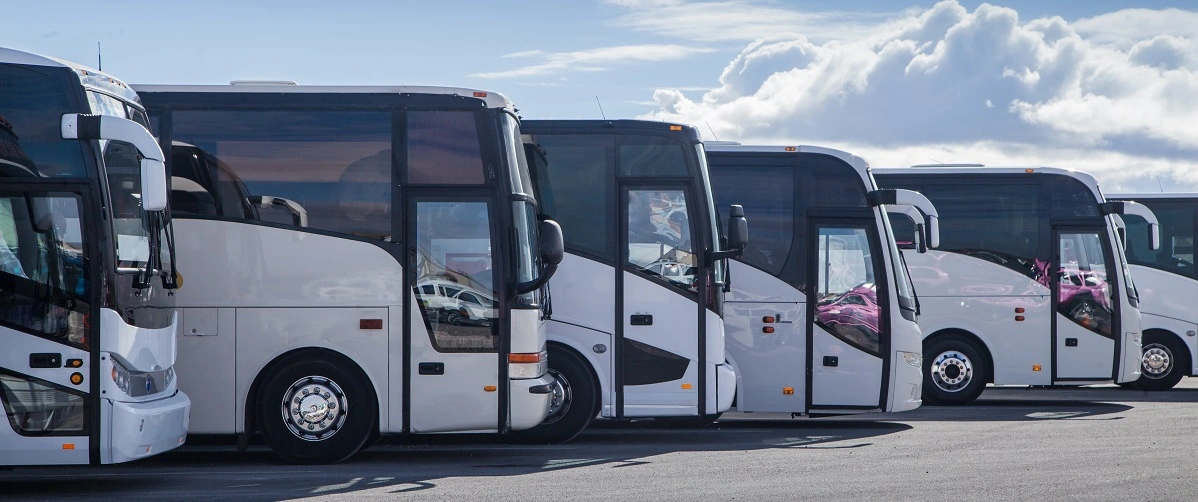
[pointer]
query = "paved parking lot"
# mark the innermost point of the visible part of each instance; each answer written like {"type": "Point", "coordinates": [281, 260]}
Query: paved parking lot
{"type": "Point", "coordinates": [1096, 443]}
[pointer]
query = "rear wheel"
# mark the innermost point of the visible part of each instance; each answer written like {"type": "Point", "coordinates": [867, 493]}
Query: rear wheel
{"type": "Point", "coordinates": [312, 411]}
{"type": "Point", "coordinates": [1163, 363]}
{"type": "Point", "coordinates": [954, 371]}
{"type": "Point", "coordinates": [575, 394]}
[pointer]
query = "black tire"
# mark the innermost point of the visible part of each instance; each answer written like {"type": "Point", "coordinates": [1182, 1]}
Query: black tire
{"type": "Point", "coordinates": [579, 390]}
{"type": "Point", "coordinates": [954, 371]}
{"type": "Point", "coordinates": [349, 409]}
{"type": "Point", "coordinates": [1166, 349]}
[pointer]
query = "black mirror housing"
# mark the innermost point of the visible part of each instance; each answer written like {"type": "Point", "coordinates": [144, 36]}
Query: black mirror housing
{"type": "Point", "coordinates": [738, 228]}
{"type": "Point", "coordinates": [553, 245]}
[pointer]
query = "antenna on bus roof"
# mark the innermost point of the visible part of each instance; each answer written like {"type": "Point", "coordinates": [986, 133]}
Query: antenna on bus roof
{"type": "Point", "coordinates": [99, 60]}
{"type": "Point", "coordinates": [601, 114]}
{"type": "Point", "coordinates": [717, 138]}
{"type": "Point", "coordinates": [1158, 183]}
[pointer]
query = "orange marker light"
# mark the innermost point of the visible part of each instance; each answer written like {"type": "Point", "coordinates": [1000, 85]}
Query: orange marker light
{"type": "Point", "coordinates": [768, 319]}
{"type": "Point", "coordinates": [675, 128]}
{"type": "Point", "coordinates": [68, 446]}
{"type": "Point", "coordinates": [767, 329]}
{"type": "Point", "coordinates": [524, 358]}
{"type": "Point", "coordinates": [1029, 170]}
{"type": "Point", "coordinates": [76, 378]}
{"type": "Point", "coordinates": [788, 391]}
{"type": "Point", "coordinates": [687, 386]}
{"type": "Point", "coordinates": [490, 388]}
{"type": "Point", "coordinates": [480, 94]}
{"type": "Point", "coordinates": [1035, 367]}
{"type": "Point", "coordinates": [370, 324]}
{"type": "Point", "coordinates": [791, 149]}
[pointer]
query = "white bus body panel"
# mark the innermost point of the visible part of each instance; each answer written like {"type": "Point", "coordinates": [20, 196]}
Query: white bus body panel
{"type": "Point", "coordinates": [138, 430]}
{"type": "Point", "coordinates": [981, 299]}
{"type": "Point", "coordinates": [855, 381]}
{"type": "Point", "coordinates": [139, 349]}
{"type": "Point", "coordinates": [1093, 356]}
{"type": "Point", "coordinates": [30, 450]}
{"type": "Point", "coordinates": [906, 381]}
{"type": "Point", "coordinates": [1167, 303]}
{"type": "Point", "coordinates": [675, 334]}
{"type": "Point", "coordinates": [766, 363]}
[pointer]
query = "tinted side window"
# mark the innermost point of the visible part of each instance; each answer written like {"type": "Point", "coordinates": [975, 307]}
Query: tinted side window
{"type": "Point", "coordinates": [995, 222]}
{"type": "Point", "coordinates": [579, 167]}
{"type": "Point", "coordinates": [650, 156]}
{"type": "Point", "coordinates": [330, 168]}
{"type": "Point", "coordinates": [767, 194]}
{"type": "Point", "coordinates": [443, 148]}
{"type": "Point", "coordinates": [1071, 198]}
{"type": "Point", "coordinates": [32, 102]}
{"type": "Point", "coordinates": [1176, 253]}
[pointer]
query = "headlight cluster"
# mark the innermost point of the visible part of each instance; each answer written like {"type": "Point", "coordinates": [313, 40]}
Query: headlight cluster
{"type": "Point", "coordinates": [912, 358]}
{"type": "Point", "coordinates": [139, 383]}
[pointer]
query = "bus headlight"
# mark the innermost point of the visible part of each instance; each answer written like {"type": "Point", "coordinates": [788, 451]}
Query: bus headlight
{"type": "Point", "coordinates": [120, 376]}
{"type": "Point", "coordinates": [912, 358]}
{"type": "Point", "coordinates": [523, 366]}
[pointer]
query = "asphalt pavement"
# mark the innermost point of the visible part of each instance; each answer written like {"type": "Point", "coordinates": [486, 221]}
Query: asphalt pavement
{"type": "Point", "coordinates": [1091, 443]}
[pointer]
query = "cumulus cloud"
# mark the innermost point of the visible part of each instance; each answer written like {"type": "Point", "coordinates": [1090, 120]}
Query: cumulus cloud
{"type": "Point", "coordinates": [979, 86]}
{"type": "Point", "coordinates": [597, 59]}
{"type": "Point", "coordinates": [711, 21]}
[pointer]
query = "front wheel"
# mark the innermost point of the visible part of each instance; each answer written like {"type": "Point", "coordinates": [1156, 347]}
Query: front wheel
{"type": "Point", "coordinates": [575, 403]}
{"type": "Point", "coordinates": [1161, 362]}
{"type": "Point", "coordinates": [954, 371]}
{"type": "Point", "coordinates": [311, 411]}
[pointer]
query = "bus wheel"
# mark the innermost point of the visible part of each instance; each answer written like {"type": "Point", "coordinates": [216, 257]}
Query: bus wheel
{"type": "Point", "coordinates": [955, 373]}
{"type": "Point", "coordinates": [575, 396]}
{"type": "Point", "coordinates": [312, 411]}
{"type": "Point", "coordinates": [1161, 364]}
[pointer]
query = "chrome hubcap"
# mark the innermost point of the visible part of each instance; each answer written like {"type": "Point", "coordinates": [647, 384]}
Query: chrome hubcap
{"type": "Point", "coordinates": [562, 396]}
{"type": "Point", "coordinates": [1157, 360]}
{"type": "Point", "coordinates": [952, 371]}
{"type": "Point", "coordinates": [314, 408]}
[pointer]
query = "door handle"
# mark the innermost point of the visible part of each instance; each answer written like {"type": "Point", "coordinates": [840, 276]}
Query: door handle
{"type": "Point", "coordinates": [641, 319]}
{"type": "Point", "coordinates": [1071, 342]}
{"type": "Point", "coordinates": [432, 368]}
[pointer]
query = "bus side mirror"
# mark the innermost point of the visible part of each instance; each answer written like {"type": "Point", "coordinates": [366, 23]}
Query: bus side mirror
{"type": "Point", "coordinates": [553, 247]}
{"type": "Point", "coordinates": [153, 185]}
{"type": "Point", "coordinates": [153, 167]}
{"type": "Point", "coordinates": [738, 228]}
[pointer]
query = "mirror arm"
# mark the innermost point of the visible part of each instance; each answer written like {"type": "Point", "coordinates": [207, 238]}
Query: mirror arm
{"type": "Point", "coordinates": [535, 284]}
{"type": "Point", "coordinates": [714, 256]}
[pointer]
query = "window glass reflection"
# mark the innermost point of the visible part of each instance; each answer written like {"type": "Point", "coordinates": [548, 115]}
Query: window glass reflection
{"type": "Point", "coordinates": [659, 236]}
{"type": "Point", "coordinates": [846, 292]}
{"type": "Point", "coordinates": [454, 275]}
{"type": "Point", "coordinates": [1084, 293]}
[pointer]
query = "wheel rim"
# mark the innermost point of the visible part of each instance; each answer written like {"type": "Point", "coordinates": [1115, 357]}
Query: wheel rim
{"type": "Point", "coordinates": [952, 371]}
{"type": "Point", "coordinates": [1157, 360]}
{"type": "Point", "coordinates": [562, 397]}
{"type": "Point", "coordinates": [314, 408]}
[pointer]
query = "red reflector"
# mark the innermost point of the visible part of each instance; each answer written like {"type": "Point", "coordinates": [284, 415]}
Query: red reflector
{"type": "Point", "coordinates": [767, 329]}
{"type": "Point", "coordinates": [1018, 318]}
{"type": "Point", "coordinates": [370, 324]}
{"type": "Point", "coordinates": [1019, 310]}
{"type": "Point", "coordinates": [524, 358]}
{"type": "Point", "coordinates": [768, 319]}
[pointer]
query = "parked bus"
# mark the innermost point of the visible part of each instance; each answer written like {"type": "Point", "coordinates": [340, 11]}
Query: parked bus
{"type": "Point", "coordinates": [1167, 284]}
{"type": "Point", "coordinates": [1028, 286]}
{"type": "Point", "coordinates": [636, 329]}
{"type": "Point", "coordinates": [87, 319]}
{"type": "Point", "coordinates": [821, 316]}
{"type": "Point", "coordinates": [364, 261]}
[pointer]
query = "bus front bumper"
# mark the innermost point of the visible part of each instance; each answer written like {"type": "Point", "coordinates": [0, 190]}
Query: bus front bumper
{"type": "Point", "coordinates": [140, 430]}
{"type": "Point", "coordinates": [530, 401]}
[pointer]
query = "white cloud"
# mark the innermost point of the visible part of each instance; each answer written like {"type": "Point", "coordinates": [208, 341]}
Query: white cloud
{"type": "Point", "coordinates": [597, 59]}
{"type": "Point", "coordinates": [740, 20]}
{"type": "Point", "coordinates": [1125, 28]}
{"type": "Point", "coordinates": [981, 86]}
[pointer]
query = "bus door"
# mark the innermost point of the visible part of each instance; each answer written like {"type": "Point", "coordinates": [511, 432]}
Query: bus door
{"type": "Point", "coordinates": [658, 335]}
{"type": "Point", "coordinates": [1086, 324]}
{"type": "Point", "coordinates": [456, 335]}
{"type": "Point", "coordinates": [49, 376]}
{"type": "Point", "coordinates": [846, 312]}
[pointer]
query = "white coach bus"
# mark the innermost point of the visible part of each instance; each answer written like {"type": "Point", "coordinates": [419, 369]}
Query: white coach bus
{"type": "Point", "coordinates": [1168, 285]}
{"type": "Point", "coordinates": [361, 261]}
{"type": "Point", "coordinates": [821, 316]}
{"type": "Point", "coordinates": [87, 319]}
{"type": "Point", "coordinates": [1028, 287]}
{"type": "Point", "coordinates": [636, 329]}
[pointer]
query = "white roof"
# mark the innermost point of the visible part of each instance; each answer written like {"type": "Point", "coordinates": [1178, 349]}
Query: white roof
{"type": "Point", "coordinates": [951, 169]}
{"type": "Point", "coordinates": [492, 99]}
{"type": "Point", "coordinates": [88, 76]}
{"type": "Point", "coordinates": [1154, 195]}
{"type": "Point", "coordinates": [858, 163]}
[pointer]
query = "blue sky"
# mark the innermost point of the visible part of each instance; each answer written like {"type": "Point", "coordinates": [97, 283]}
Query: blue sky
{"type": "Point", "coordinates": [1026, 82]}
